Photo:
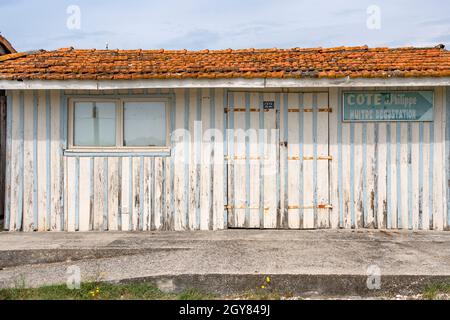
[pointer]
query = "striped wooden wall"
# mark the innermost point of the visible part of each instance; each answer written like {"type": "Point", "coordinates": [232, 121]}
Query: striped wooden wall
{"type": "Point", "coordinates": [50, 190]}
{"type": "Point", "coordinates": [384, 175]}
{"type": "Point", "coordinates": [392, 174]}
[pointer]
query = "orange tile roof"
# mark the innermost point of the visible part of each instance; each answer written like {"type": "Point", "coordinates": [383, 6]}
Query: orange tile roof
{"type": "Point", "coordinates": [355, 62]}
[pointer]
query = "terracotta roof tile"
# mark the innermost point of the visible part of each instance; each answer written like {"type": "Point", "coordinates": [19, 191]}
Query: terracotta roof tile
{"type": "Point", "coordinates": [354, 62]}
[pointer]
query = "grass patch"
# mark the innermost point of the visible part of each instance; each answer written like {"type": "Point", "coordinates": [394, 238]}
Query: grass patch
{"type": "Point", "coordinates": [433, 291]}
{"type": "Point", "coordinates": [100, 291]}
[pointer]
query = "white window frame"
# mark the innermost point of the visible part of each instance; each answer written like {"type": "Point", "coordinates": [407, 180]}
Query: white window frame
{"type": "Point", "coordinates": [119, 147]}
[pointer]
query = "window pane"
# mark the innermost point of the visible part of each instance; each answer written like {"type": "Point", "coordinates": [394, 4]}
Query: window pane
{"type": "Point", "coordinates": [144, 124]}
{"type": "Point", "coordinates": [95, 124]}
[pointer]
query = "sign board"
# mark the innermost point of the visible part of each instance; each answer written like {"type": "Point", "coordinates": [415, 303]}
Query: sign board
{"type": "Point", "coordinates": [268, 105]}
{"type": "Point", "coordinates": [368, 106]}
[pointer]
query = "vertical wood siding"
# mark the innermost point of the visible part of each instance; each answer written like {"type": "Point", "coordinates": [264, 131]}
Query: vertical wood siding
{"type": "Point", "coordinates": [382, 175]}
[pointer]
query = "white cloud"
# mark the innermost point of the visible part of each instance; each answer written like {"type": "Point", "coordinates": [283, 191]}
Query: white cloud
{"type": "Point", "coordinates": [198, 24]}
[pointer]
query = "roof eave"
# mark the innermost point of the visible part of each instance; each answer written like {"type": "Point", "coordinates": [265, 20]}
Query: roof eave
{"type": "Point", "coordinates": [254, 83]}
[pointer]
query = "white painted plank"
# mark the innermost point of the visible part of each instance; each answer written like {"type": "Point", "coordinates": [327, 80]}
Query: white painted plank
{"type": "Point", "coordinates": [158, 192]}
{"type": "Point", "coordinates": [28, 178]}
{"type": "Point", "coordinates": [308, 174]}
{"type": "Point", "coordinates": [137, 220]}
{"type": "Point", "coordinates": [42, 162]}
{"type": "Point", "coordinates": [192, 165]}
{"type": "Point", "coordinates": [415, 174]}
{"type": "Point", "coordinates": [369, 176]}
{"type": "Point", "coordinates": [84, 191]}
{"type": "Point", "coordinates": [254, 162]}
{"type": "Point", "coordinates": [426, 171]}
{"type": "Point", "coordinates": [147, 192]}
{"type": "Point", "coordinates": [113, 192]}
{"type": "Point", "coordinates": [99, 186]}
{"type": "Point", "coordinates": [270, 163]}
{"type": "Point", "coordinates": [294, 163]}
{"type": "Point", "coordinates": [323, 165]}
{"type": "Point", "coordinates": [438, 164]}
{"type": "Point", "coordinates": [239, 164]}
{"type": "Point", "coordinates": [15, 161]}
{"type": "Point", "coordinates": [404, 176]}
{"type": "Point", "coordinates": [380, 153]}
{"type": "Point", "coordinates": [205, 154]}
{"type": "Point", "coordinates": [178, 155]}
{"type": "Point", "coordinates": [334, 152]}
{"type": "Point", "coordinates": [55, 174]}
{"type": "Point", "coordinates": [125, 214]}
{"type": "Point", "coordinates": [71, 193]}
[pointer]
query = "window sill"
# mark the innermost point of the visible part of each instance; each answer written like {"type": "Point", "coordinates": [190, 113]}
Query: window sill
{"type": "Point", "coordinates": [157, 152]}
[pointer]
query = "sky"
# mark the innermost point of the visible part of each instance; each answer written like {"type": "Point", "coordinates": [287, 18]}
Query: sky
{"type": "Point", "coordinates": [208, 24]}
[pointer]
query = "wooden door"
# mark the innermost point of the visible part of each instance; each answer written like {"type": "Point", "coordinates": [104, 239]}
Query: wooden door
{"type": "Point", "coordinates": [278, 161]}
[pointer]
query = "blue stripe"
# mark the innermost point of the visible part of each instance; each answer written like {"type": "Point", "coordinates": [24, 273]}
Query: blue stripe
{"type": "Point", "coordinates": [315, 111]}
{"type": "Point", "coordinates": [364, 172]}
{"type": "Point", "coordinates": [410, 184]}
{"type": "Point", "coordinates": [21, 161]}
{"type": "Point", "coordinates": [300, 171]}
{"type": "Point", "coordinates": [388, 176]}
{"type": "Point", "coordinates": [225, 167]}
{"type": "Point", "coordinates": [49, 156]}
{"type": "Point", "coordinates": [9, 116]}
{"type": "Point", "coordinates": [261, 159]}
{"type": "Point", "coordinates": [130, 194]}
{"type": "Point", "coordinates": [352, 175]}
{"type": "Point", "coordinates": [141, 194]}
{"type": "Point", "coordinates": [198, 159]}
{"type": "Point", "coordinates": [247, 160]}
{"type": "Point", "coordinates": [430, 177]}
{"type": "Point", "coordinates": [421, 207]}
{"type": "Point", "coordinates": [105, 195]}
{"type": "Point", "coordinates": [340, 174]}
{"type": "Point", "coordinates": [77, 194]}
{"type": "Point", "coordinates": [399, 177]}
{"type": "Point", "coordinates": [186, 155]}
{"type": "Point", "coordinates": [35, 160]}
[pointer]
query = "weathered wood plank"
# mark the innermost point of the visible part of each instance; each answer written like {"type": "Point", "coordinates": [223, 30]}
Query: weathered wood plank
{"type": "Point", "coordinates": [55, 174]}
{"type": "Point", "coordinates": [308, 166]}
{"type": "Point", "coordinates": [42, 157]}
{"type": "Point", "coordinates": [205, 162]}
{"type": "Point", "coordinates": [28, 162]}
{"type": "Point", "coordinates": [16, 160]}
{"type": "Point", "coordinates": [84, 194]}
{"type": "Point", "coordinates": [293, 183]}
{"type": "Point", "coordinates": [218, 164]}
{"type": "Point", "coordinates": [323, 183]}
{"type": "Point", "coordinates": [334, 152]}
{"type": "Point", "coordinates": [125, 195]}
{"type": "Point", "coordinates": [137, 214]}
{"type": "Point", "coordinates": [113, 193]}
{"type": "Point", "coordinates": [72, 188]}
{"type": "Point", "coordinates": [99, 187]}
{"type": "Point", "coordinates": [438, 163]}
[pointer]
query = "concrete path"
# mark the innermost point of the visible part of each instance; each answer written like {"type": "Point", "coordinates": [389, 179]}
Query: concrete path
{"type": "Point", "coordinates": [324, 262]}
